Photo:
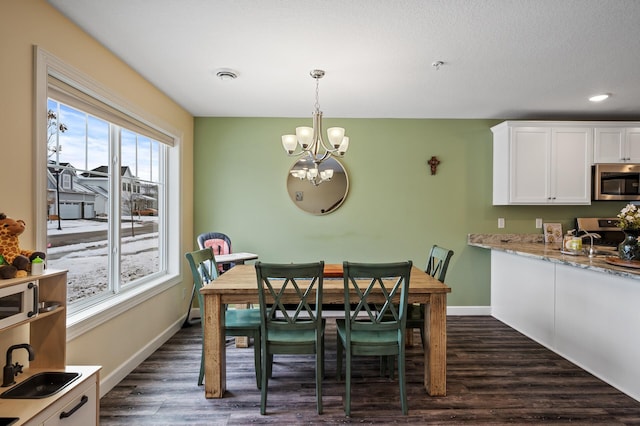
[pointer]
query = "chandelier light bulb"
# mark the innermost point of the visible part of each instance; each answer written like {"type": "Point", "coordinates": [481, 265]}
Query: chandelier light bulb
{"type": "Point", "coordinates": [344, 146]}
{"type": "Point", "coordinates": [305, 135]}
{"type": "Point", "coordinates": [336, 134]}
{"type": "Point", "coordinates": [289, 142]}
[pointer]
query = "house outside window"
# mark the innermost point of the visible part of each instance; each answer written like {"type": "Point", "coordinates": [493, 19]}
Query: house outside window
{"type": "Point", "coordinates": [110, 210]}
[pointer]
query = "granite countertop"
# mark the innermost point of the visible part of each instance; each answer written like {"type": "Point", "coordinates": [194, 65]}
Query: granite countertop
{"type": "Point", "coordinates": [533, 246]}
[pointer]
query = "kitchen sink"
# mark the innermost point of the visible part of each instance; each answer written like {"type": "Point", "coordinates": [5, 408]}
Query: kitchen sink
{"type": "Point", "coordinates": [41, 385]}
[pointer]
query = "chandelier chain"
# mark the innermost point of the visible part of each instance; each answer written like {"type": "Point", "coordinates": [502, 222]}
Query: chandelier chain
{"type": "Point", "coordinates": [317, 104]}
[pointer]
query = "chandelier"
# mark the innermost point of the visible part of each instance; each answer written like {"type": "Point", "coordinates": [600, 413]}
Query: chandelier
{"type": "Point", "coordinates": [311, 144]}
{"type": "Point", "coordinates": [314, 175]}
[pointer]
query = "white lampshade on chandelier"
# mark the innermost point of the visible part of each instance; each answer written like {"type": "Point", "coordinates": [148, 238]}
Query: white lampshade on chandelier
{"type": "Point", "coordinates": [310, 142]}
{"type": "Point", "coordinates": [313, 174]}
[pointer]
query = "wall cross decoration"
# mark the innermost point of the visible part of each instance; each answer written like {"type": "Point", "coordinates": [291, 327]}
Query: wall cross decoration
{"type": "Point", "coordinates": [434, 164]}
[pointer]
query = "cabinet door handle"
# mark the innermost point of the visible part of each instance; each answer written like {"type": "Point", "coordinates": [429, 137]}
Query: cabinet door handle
{"type": "Point", "coordinates": [36, 298]}
{"type": "Point", "coordinates": [69, 413]}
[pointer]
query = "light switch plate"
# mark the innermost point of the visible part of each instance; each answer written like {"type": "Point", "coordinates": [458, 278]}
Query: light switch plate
{"type": "Point", "coordinates": [539, 223]}
{"type": "Point", "coordinates": [501, 222]}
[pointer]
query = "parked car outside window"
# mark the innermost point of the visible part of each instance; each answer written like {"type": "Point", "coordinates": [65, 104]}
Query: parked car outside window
{"type": "Point", "coordinates": [146, 212]}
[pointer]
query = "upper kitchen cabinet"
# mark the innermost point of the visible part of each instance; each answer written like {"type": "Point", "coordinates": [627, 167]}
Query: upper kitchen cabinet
{"type": "Point", "coordinates": [542, 163]}
{"type": "Point", "coordinates": [616, 144]}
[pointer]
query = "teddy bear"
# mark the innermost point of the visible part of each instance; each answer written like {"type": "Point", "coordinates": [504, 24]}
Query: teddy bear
{"type": "Point", "coordinates": [17, 261]}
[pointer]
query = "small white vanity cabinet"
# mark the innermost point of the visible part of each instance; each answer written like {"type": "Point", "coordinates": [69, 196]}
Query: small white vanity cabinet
{"type": "Point", "coordinates": [542, 163]}
{"type": "Point", "coordinates": [47, 334]}
{"type": "Point", "coordinates": [617, 144]}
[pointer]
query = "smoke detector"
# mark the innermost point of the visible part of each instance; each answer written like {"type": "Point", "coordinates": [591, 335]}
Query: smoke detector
{"type": "Point", "coordinates": [226, 74]}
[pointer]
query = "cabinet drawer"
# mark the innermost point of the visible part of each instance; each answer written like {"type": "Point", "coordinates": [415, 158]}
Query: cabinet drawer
{"type": "Point", "coordinates": [80, 411]}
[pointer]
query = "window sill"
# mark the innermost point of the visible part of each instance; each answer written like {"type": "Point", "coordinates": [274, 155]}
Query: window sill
{"type": "Point", "coordinates": [87, 319]}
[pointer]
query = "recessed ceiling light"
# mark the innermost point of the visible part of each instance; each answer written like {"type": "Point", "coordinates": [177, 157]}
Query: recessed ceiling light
{"type": "Point", "coordinates": [599, 98]}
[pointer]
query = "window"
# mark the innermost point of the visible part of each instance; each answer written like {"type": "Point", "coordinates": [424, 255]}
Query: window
{"type": "Point", "coordinates": [66, 181]}
{"type": "Point", "coordinates": [111, 210]}
{"type": "Point", "coordinates": [78, 145]}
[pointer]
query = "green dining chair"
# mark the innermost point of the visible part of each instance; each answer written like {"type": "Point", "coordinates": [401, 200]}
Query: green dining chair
{"type": "Point", "coordinates": [290, 298]}
{"type": "Point", "coordinates": [367, 330]}
{"type": "Point", "coordinates": [237, 322]}
{"type": "Point", "coordinates": [437, 265]}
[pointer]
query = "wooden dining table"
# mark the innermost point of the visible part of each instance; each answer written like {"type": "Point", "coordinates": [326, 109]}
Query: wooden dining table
{"type": "Point", "coordinates": [239, 286]}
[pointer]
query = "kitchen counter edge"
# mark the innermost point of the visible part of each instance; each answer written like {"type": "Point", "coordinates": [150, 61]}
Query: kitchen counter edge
{"type": "Point", "coordinates": [533, 246]}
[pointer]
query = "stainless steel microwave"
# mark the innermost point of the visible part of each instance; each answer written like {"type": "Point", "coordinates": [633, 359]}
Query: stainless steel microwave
{"type": "Point", "coordinates": [616, 182]}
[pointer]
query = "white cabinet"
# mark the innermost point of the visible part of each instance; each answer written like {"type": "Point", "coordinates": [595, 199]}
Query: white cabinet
{"type": "Point", "coordinates": [540, 163]}
{"type": "Point", "coordinates": [522, 295]}
{"type": "Point", "coordinates": [617, 145]}
{"type": "Point", "coordinates": [589, 317]}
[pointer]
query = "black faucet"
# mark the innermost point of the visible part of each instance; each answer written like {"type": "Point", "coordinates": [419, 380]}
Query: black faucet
{"type": "Point", "coordinates": [12, 370]}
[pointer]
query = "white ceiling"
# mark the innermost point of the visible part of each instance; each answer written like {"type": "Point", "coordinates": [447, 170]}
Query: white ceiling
{"type": "Point", "coordinates": [516, 59]}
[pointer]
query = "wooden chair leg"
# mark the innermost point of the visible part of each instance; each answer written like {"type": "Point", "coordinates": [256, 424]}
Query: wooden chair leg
{"type": "Point", "coordinates": [339, 359]}
{"type": "Point", "coordinates": [409, 337]}
{"type": "Point", "coordinates": [265, 381]}
{"type": "Point", "coordinates": [401, 381]}
{"type": "Point", "coordinates": [257, 355]}
{"type": "Point", "coordinates": [319, 374]}
{"type": "Point", "coordinates": [347, 380]}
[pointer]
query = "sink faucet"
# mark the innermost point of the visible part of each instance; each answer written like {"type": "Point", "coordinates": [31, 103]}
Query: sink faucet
{"type": "Point", "coordinates": [591, 235]}
{"type": "Point", "coordinates": [12, 370]}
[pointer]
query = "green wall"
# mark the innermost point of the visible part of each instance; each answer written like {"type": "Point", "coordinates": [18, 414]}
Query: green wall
{"type": "Point", "coordinates": [395, 209]}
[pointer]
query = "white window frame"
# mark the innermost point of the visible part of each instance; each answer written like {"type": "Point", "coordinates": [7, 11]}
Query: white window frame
{"type": "Point", "coordinates": [81, 321]}
{"type": "Point", "coordinates": [66, 181]}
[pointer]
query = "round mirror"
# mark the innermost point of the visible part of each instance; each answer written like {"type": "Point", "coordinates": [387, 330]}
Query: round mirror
{"type": "Point", "coordinates": [317, 190]}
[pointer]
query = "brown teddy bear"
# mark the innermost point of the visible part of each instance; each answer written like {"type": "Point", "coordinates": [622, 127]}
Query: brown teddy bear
{"type": "Point", "coordinates": [16, 260]}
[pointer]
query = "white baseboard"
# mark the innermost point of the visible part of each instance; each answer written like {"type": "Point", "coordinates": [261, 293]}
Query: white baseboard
{"type": "Point", "coordinates": [109, 382]}
{"type": "Point", "coordinates": [469, 310]}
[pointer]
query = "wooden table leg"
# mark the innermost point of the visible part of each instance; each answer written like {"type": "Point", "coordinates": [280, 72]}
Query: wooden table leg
{"type": "Point", "coordinates": [215, 369]}
{"type": "Point", "coordinates": [242, 341]}
{"type": "Point", "coordinates": [435, 354]}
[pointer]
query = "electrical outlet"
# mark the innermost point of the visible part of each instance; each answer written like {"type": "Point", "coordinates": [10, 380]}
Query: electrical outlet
{"type": "Point", "coordinates": [501, 222]}
{"type": "Point", "coordinates": [184, 293]}
{"type": "Point", "coordinates": [538, 223]}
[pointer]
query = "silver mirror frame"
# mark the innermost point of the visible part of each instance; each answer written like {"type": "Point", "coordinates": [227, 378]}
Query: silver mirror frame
{"type": "Point", "coordinates": [323, 199]}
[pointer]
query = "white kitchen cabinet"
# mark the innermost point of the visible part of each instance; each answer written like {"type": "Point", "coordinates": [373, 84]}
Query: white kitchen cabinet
{"type": "Point", "coordinates": [522, 295]}
{"type": "Point", "coordinates": [541, 163]}
{"type": "Point", "coordinates": [589, 317]}
{"type": "Point", "coordinates": [616, 144]}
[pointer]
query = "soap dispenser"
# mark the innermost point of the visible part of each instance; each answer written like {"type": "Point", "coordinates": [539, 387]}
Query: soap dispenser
{"type": "Point", "coordinates": [571, 242]}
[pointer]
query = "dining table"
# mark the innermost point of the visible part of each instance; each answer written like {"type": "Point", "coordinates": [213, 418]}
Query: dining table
{"type": "Point", "coordinates": [239, 286]}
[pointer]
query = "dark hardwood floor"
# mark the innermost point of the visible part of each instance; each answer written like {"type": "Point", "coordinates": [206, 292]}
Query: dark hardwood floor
{"type": "Point", "coordinates": [495, 375]}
